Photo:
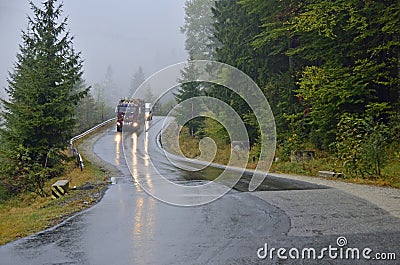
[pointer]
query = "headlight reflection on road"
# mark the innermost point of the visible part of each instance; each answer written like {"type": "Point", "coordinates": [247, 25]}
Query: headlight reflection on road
{"type": "Point", "coordinates": [143, 228]}
{"type": "Point", "coordinates": [146, 149]}
{"type": "Point", "coordinates": [149, 182]}
{"type": "Point", "coordinates": [117, 140]}
{"type": "Point", "coordinates": [137, 230]}
{"type": "Point", "coordinates": [134, 157]}
{"type": "Point", "coordinates": [134, 169]}
{"type": "Point", "coordinates": [146, 162]}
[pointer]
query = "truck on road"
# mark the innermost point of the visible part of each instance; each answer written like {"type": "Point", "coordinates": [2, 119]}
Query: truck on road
{"type": "Point", "coordinates": [130, 114]}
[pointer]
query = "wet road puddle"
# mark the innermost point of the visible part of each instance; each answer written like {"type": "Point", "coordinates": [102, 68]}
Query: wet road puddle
{"type": "Point", "coordinates": [270, 183]}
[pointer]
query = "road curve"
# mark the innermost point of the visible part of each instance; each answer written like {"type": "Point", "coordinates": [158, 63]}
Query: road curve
{"type": "Point", "coordinates": [128, 226]}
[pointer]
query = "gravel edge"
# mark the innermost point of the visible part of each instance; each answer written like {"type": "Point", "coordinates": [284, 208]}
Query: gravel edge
{"type": "Point", "coordinates": [385, 198]}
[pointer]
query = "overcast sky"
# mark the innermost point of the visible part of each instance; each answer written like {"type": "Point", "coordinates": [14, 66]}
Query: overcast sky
{"type": "Point", "coordinates": [125, 34]}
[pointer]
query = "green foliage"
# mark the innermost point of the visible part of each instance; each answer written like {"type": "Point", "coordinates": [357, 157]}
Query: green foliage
{"type": "Point", "coordinates": [351, 61]}
{"type": "Point", "coordinates": [29, 175]}
{"type": "Point", "coordinates": [351, 133]}
{"type": "Point", "coordinates": [362, 144]}
{"type": "Point", "coordinates": [375, 149]}
{"type": "Point", "coordinates": [216, 131]}
{"type": "Point", "coordinates": [330, 92]}
{"type": "Point", "coordinates": [394, 125]}
{"type": "Point", "coordinates": [39, 117]}
{"type": "Point", "coordinates": [187, 113]}
{"type": "Point", "coordinates": [326, 67]}
{"type": "Point", "coordinates": [252, 37]}
{"type": "Point", "coordinates": [4, 193]}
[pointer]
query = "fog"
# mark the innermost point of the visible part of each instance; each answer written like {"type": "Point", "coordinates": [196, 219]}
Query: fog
{"type": "Point", "coordinates": [123, 34]}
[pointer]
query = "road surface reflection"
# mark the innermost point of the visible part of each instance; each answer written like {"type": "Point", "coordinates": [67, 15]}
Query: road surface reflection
{"type": "Point", "coordinates": [117, 139]}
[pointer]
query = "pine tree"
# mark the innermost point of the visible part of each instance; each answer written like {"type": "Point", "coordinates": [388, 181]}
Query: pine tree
{"type": "Point", "coordinates": [198, 29]}
{"type": "Point", "coordinates": [137, 80]}
{"type": "Point", "coordinates": [39, 116]}
{"type": "Point", "coordinates": [111, 87]}
{"type": "Point", "coordinates": [187, 91]}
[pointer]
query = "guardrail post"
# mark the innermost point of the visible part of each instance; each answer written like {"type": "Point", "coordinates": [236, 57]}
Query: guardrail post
{"type": "Point", "coordinates": [79, 160]}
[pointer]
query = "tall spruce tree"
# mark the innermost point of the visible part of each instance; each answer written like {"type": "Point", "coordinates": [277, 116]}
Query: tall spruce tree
{"type": "Point", "coordinates": [187, 91]}
{"type": "Point", "coordinates": [138, 78]}
{"type": "Point", "coordinates": [198, 29]}
{"type": "Point", "coordinates": [39, 115]}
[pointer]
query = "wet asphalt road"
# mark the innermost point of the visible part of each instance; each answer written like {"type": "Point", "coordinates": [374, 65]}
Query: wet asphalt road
{"type": "Point", "coordinates": [129, 226]}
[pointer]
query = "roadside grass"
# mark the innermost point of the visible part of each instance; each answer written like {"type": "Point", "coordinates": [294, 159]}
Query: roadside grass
{"type": "Point", "coordinates": [309, 168]}
{"type": "Point", "coordinates": [3, 193]}
{"type": "Point", "coordinates": [189, 146]}
{"type": "Point", "coordinates": [28, 213]}
{"type": "Point", "coordinates": [390, 176]}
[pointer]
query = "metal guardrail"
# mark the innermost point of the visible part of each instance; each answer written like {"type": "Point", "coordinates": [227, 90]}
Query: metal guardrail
{"type": "Point", "coordinates": [79, 160]}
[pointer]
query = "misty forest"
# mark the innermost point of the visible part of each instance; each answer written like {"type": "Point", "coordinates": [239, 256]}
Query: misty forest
{"type": "Point", "coordinates": [329, 69]}
{"type": "Point", "coordinates": [48, 102]}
